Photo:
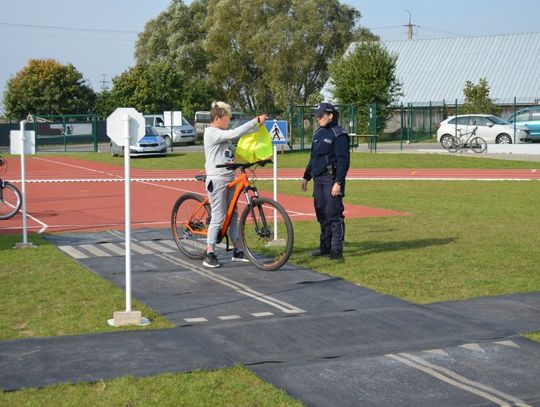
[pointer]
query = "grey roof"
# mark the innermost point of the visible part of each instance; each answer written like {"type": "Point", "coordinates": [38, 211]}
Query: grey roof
{"type": "Point", "coordinates": [437, 69]}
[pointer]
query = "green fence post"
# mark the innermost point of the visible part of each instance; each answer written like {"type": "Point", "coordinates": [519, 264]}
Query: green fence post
{"type": "Point", "coordinates": [430, 121]}
{"type": "Point", "coordinates": [401, 126]}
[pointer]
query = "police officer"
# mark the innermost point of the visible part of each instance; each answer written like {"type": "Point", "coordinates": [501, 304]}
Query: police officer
{"type": "Point", "coordinates": [328, 166]}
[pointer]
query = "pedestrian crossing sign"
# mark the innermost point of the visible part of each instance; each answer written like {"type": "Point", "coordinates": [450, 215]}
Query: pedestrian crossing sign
{"type": "Point", "coordinates": [277, 130]}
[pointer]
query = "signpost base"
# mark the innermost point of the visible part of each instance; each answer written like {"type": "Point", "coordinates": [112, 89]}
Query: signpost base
{"type": "Point", "coordinates": [21, 245]}
{"type": "Point", "coordinates": [125, 318]}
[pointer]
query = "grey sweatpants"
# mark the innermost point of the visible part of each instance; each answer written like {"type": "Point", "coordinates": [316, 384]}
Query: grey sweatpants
{"type": "Point", "coordinates": [220, 197]}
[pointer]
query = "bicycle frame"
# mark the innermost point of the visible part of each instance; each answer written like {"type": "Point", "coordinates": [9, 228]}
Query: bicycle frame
{"type": "Point", "coordinates": [241, 184]}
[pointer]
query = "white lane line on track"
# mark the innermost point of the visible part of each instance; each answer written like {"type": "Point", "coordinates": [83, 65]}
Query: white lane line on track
{"type": "Point", "coordinates": [496, 396]}
{"type": "Point", "coordinates": [236, 286]}
{"type": "Point", "coordinates": [76, 166]}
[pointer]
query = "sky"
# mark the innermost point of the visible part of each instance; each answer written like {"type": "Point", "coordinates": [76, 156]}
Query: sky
{"type": "Point", "coordinates": [98, 37]}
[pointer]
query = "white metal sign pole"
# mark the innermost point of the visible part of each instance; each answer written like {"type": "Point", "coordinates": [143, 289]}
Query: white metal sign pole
{"type": "Point", "coordinates": [23, 185]}
{"type": "Point", "coordinates": [127, 199]}
{"type": "Point", "coordinates": [275, 192]}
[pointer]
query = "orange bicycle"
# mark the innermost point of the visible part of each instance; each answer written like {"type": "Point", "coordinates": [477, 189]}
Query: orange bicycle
{"type": "Point", "coordinates": [266, 231]}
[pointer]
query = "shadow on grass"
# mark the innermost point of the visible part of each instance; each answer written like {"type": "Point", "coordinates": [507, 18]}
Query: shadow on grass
{"type": "Point", "coordinates": [362, 248]}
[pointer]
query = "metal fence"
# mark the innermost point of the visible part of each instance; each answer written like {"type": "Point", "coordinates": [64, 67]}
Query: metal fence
{"type": "Point", "coordinates": [406, 123]}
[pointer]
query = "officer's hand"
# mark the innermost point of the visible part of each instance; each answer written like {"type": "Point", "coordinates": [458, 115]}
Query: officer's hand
{"type": "Point", "coordinates": [304, 185]}
{"type": "Point", "coordinates": [336, 189]}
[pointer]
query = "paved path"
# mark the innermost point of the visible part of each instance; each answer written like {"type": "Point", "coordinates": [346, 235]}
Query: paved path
{"type": "Point", "coordinates": [324, 341]}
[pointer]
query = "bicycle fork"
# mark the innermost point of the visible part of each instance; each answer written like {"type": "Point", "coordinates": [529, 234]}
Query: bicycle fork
{"type": "Point", "coordinates": [260, 223]}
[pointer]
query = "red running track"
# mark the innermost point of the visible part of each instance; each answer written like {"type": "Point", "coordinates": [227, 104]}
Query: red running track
{"type": "Point", "coordinates": [66, 194]}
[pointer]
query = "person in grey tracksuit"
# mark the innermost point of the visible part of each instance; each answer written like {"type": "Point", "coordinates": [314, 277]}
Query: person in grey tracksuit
{"type": "Point", "coordinates": [219, 149]}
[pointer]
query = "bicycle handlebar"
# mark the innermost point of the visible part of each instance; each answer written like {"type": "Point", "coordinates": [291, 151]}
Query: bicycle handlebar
{"type": "Point", "coordinates": [234, 166]}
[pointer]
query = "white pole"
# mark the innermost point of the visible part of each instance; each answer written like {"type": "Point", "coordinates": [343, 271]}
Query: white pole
{"type": "Point", "coordinates": [127, 193]}
{"type": "Point", "coordinates": [23, 185]}
{"type": "Point", "coordinates": [275, 192]}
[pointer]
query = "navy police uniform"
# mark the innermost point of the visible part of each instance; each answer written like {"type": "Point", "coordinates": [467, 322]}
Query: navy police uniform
{"type": "Point", "coordinates": [328, 164]}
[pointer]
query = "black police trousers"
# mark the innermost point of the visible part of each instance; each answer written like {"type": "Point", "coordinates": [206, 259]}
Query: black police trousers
{"type": "Point", "coordinates": [329, 211]}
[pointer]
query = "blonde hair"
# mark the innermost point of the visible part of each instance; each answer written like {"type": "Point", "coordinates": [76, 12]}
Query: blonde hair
{"type": "Point", "coordinates": [220, 109]}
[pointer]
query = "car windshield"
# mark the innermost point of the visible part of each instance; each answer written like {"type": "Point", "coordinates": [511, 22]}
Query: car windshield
{"type": "Point", "coordinates": [497, 120]}
{"type": "Point", "coordinates": [150, 131]}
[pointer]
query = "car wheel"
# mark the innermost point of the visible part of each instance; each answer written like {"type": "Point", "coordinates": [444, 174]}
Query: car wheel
{"type": "Point", "coordinates": [167, 141]}
{"type": "Point", "coordinates": [447, 141]}
{"type": "Point", "coordinates": [503, 139]}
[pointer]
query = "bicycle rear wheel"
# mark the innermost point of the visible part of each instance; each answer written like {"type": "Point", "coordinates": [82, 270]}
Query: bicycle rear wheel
{"type": "Point", "coordinates": [478, 145]}
{"type": "Point", "coordinates": [267, 234]}
{"type": "Point", "coordinates": [10, 200]}
{"type": "Point", "coordinates": [453, 145]}
{"type": "Point", "coordinates": [190, 218]}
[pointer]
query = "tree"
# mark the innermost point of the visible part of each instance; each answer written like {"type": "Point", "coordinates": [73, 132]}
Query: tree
{"type": "Point", "coordinates": [477, 98]}
{"type": "Point", "coordinates": [155, 87]}
{"type": "Point", "coordinates": [268, 54]}
{"type": "Point", "coordinates": [45, 86]}
{"type": "Point", "coordinates": [175, 37]}
{"type": "Point", "coordinates": [366, 75]}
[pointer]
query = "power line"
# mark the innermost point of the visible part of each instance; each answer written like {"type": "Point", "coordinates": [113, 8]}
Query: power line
{"type": "Point", "coordinates": [51, 27]}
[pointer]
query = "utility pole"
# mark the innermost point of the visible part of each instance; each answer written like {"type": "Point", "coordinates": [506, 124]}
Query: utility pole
{"type": "Point", "coordinates": [409, 26]}
{"type": "Point", "coordinates": [103, 82]}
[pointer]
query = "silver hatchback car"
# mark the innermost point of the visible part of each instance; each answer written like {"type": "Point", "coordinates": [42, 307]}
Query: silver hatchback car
{"type": "Point", "coordinates": [492, 129]}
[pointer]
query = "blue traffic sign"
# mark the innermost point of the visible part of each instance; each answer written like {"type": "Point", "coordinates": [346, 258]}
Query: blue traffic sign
{"type": "Point", "coordinates": [277, 130]}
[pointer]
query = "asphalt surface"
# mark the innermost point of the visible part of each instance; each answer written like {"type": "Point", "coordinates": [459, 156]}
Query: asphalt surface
{"type": "Point", "coordinates": [324, 341]}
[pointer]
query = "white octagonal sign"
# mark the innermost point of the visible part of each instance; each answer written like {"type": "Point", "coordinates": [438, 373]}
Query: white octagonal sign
{"type": "Point", "coordinates": [116, 126]}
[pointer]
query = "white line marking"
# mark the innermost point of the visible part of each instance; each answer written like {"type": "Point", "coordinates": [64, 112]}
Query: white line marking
{"type": "Point", "coordinates": [437, 352]}
{"type": "Point", "coordinates": [195, 320]}
{"type": "Point", "coordinates": [170, 243]}
{"type": "Point", "coordinates": [139, 249]}
{"type": "Point", "coordinates": [114, 248]}
{"type": "Point", "coordinates": [472, 346]}
{"type": "Point", "coordinates": [229, 317]}
{"type": "Point", "coordinates": [71, 251]}
{"type": "Point", "coordinates": [458, 380]}
{"type": "Point", "coordinates": [156, 246]}
{"type": "Point", "coordinates": [262, 314]}
{"type": "Point", "coordinates": [236, 286]}
{"type": "Point", "coordinates": [508, 343]}
{"type": "Point", "coordinates": [96, 251]}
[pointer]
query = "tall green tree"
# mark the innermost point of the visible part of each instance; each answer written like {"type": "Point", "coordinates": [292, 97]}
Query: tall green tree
{"type": "Point", "coordinates": [154, 87]}
{"type": "Point", "coordinates": [366, 75]}
{"type": "Point", "coordinates": [477, 98]}
{"type": "Point", "coordinates": [45, 86]}
{"type": "Point", "coordinates": [176, 37]}
{"type": "Point", "coordinates": [268, 54]}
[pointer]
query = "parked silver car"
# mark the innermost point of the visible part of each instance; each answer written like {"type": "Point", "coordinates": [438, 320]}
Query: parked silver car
{"type": "Point", "coordinates": [151, 144]}
{"type": "Point", "coordinates": [491, 128]}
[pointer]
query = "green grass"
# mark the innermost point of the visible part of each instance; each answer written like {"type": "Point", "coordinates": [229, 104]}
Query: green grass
{"type": "Point", "coordinates": [461, 239]}
{"type": "Point", "coordinates": [195, 160]}
{"type": "Point", "coordinates": [44, 293]}
{"type": "Point", "coordinates": [236, 387]}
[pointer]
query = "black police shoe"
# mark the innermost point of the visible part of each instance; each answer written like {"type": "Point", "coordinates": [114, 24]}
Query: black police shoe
{"type": "Point", "coordinates": [319, 252]}
{"type": "Point", "coordinates": [336, 255]}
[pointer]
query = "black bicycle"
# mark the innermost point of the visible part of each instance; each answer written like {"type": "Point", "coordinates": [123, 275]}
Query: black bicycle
{"type": "Point", "coordinates": [10, 196]}
{"type": "Point", "coordinates": [461, 141]}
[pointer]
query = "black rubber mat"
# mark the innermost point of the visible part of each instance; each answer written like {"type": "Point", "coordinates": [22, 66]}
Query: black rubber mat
{"type": "Point", "coordinates": [323, 340]}
{"type": "Point", "coordinates": [488, 374]}
{"type": "Point", "coordinates": [89, 358]}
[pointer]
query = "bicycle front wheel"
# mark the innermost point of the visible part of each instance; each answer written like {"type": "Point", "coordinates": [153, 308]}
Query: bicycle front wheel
{"type": "Point", "coordinates": [10, 200]}
{"type": "Point", "coordinates": [190, 218]}
{"type": "Point", "coordinates": [267, 234]}
{"type": "Point", "coordinates": [478, 145]}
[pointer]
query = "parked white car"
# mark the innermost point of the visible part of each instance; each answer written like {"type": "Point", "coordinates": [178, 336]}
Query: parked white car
{"type": "Point", "coordinates": [492, 129]}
